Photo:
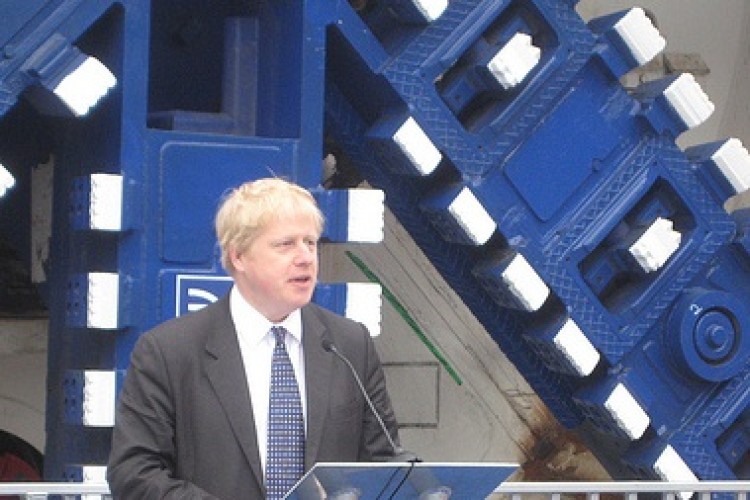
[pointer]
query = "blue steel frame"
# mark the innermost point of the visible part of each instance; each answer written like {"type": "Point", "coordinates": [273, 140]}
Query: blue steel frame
{"type": "Point", "coordinates": [568, 165]}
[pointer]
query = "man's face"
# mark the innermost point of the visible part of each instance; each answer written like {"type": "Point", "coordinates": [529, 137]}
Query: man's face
{"type": "Point", "coordinates": [278, 273]}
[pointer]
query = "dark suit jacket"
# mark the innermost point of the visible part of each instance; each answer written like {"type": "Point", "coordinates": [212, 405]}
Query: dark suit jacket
{"type": "Point", "coordinates": [184, 425]}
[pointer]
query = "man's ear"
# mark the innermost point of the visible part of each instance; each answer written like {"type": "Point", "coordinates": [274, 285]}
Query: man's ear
{"type": "Point", "coordinates": [235, 257]}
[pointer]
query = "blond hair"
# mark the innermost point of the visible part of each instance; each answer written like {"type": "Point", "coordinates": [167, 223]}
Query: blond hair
{"type": "Point", "coordinates": [246, 210]}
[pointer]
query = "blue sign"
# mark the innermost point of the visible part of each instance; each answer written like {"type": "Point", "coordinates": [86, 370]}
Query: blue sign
{"type": "Point", "coordinates": [194, 292]}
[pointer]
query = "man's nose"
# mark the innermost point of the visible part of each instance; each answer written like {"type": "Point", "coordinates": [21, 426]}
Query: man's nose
{"type": "Point", "coordinates": [305, 253]}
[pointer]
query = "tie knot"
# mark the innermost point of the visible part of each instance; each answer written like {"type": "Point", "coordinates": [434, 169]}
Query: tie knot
{"type": "Point", "coordinates": [279, 333]}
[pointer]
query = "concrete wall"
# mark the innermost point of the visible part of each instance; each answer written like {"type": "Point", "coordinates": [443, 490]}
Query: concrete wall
{"type": "Point", "coordinates": [23, 372]}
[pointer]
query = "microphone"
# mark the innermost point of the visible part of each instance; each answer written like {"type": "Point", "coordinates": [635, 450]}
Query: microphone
{"type": "Point", "coordinates": [399, 454]}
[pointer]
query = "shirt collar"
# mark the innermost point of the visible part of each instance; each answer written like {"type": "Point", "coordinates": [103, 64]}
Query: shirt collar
{"type": "Point", "coordinates": [253, 326]}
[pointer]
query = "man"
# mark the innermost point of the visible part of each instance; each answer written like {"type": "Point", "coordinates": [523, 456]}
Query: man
{"type": "Point", "coordinates": [194, 413]}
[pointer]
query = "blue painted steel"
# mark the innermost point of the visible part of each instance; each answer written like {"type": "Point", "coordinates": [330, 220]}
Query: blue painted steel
{"type": "Point", "coordinates": [73, 387]}
{"type": "Point", "coordinates": [569, 165]}
{"type": "Point", "coordinates": [572, 168]}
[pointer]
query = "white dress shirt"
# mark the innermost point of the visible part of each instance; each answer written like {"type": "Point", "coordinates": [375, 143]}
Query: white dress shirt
{"type": "Point", "coordinates": [256, 347]}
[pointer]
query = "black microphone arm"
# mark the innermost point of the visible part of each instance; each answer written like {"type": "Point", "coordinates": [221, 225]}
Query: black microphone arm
{"type": "Point", "coordinates": [399, 454]}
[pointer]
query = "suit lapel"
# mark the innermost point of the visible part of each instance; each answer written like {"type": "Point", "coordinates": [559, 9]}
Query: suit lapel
{"type": "Point", "coordinates": [226, 373]}
{"type": "Point", "coordinates": [317, 381]}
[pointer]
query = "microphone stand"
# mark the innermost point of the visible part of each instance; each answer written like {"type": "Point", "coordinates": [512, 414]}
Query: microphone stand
{"type": "Point", "coordinates": [399, 453]}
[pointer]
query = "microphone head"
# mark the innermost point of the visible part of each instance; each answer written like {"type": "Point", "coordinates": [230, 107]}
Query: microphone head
{"type": "Point", "coordinates": [327, 345]}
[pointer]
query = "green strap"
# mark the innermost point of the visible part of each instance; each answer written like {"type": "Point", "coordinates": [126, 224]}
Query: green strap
{"type": "Point", "coordinates": [406, 316]}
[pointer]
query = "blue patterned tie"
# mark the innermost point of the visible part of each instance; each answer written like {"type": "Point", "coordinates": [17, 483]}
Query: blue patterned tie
{"type": "Point", "coordinates": [285, 462]}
